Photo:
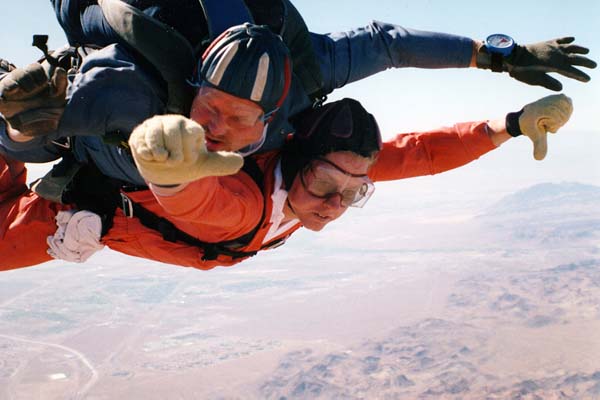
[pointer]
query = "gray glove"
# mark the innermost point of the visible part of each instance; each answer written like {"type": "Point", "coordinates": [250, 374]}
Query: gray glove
{"type": "Point", "coordinates": [531, 63]}
{"type": "Point", "coordinates": [30, 101]}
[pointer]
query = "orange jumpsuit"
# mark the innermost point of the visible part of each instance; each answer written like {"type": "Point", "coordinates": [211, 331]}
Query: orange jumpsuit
{"type": "Point", "coordinates": [215, 209]}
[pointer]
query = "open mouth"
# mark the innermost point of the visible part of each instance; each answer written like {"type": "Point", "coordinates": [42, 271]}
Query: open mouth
{"type": "Point", "coordinates": [321, 217]}
{"type": "Point", "coordinates": [213, 144]}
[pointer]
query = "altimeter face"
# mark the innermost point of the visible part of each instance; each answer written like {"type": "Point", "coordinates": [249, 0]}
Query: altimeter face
{"type": "Point", "coordinates": [500, 43]}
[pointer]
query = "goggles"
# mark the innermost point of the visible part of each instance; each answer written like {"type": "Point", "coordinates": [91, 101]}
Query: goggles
{"type": "Point", "coordinates": [323, 179]}
{"type": "Point", "coordinates": [253, 147]}
{"type": "Point", "coordinates": [199, 83]}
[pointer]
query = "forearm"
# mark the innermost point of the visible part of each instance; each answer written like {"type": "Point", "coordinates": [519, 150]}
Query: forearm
{"type": "Point", "coordinates": [428, 153]}
{"type": "Point", "coordinates": [34, 150]}
{"type": "Point", "coordinates": [213, 208]}
{"type": "Point", "coordinates": [346, 57]}
{"type": "Point", "coordinates": [476, 46]}
{"type": "Point", "coordinates": [497, 131]}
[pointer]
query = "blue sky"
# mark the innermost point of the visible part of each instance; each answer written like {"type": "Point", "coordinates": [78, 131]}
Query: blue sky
{"type": "Point", "coordinates": [411, 99]}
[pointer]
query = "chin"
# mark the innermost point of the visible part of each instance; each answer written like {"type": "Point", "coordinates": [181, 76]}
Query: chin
{"type": "Point", "coordinates": [315, 227]}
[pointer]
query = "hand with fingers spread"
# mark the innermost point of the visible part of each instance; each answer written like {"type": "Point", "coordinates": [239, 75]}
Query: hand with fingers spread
{"type": "Point", "coordinates": [171, 150]}
{"type": "Point", "coordinates": [532, 63]}
{"type": "Point", "coordinates": [536, 119]}
{"type": "Point", "coordinates": [31, 102]}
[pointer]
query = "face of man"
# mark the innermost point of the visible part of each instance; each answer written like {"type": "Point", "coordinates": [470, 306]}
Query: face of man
{"type": "Point", "coordinates": [231, 123]}
{"type": "Point", "coordinates": [324, 190]}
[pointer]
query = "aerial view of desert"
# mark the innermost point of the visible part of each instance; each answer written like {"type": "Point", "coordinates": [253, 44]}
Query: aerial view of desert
{"type": "Point", "coordinates": [499, 304]}
{"type": "Point", "coordinates": [478, 283]}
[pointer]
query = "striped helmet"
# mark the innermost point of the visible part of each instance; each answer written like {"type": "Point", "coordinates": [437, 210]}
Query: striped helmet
{"type": "Point", "coordinates": [250, 62]}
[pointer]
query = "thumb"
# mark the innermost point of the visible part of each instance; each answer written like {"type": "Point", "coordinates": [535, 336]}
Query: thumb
{"type": "Point", "coordinates": [541, 116]}
{"type": "Point", "coordinates": [221, 163]}
{"type": "Point", "coordinates": [540, 146]}
{"type": "Point", "coordinates": [59, 82]}
{"type": "Point", "coordinates": [537, 78]}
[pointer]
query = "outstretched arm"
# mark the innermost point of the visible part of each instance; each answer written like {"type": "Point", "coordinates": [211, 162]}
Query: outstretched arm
{"type": "Point", "coordinates": [428, 153]}
{"type": "Point", "coordinates": [110, 93]}
{"type": "Point", "coordinates": [346, 57]}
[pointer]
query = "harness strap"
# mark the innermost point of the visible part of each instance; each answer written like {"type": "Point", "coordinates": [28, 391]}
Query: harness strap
{"type": "Point", "coordinates": [172, 234]}
{"type": "Point", "coordinates": [165, 48]}
{"type": "Point", "coordinates": [305, 64]}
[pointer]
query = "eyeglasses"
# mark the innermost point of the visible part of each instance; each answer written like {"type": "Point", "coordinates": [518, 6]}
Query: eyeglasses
{"type": "Point", "coordinates": [323, 179]}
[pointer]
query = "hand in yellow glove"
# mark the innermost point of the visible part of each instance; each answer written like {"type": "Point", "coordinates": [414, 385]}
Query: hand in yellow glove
{"type": "Point", "coordinates": [171, 150]}
{"type": "Point", "coordinates": [536, 119]}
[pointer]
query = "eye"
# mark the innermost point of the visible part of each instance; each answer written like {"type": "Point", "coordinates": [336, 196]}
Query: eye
{"type": "Point", "coordinates": [205, 108]}
{"type": "Point", "coordinates": [348, 197]}
{"type": "Point", "coordinates": [242, 120]}
{"type": "Point", "coordinates": [322, 188]}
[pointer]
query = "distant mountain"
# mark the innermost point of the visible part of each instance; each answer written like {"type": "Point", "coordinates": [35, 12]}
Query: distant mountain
{"type": "Point", "coordinates": [549, 196]}
{"type": "Point", "coordinates": [547, 212]}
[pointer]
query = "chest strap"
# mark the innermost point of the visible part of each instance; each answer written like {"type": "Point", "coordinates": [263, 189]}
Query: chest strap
{"type": "Point", "coordinates": [171, 233]}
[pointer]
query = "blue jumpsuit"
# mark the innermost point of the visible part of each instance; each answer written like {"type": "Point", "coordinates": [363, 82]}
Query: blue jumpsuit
{"type": "Point", "coordinates": [114, 92]}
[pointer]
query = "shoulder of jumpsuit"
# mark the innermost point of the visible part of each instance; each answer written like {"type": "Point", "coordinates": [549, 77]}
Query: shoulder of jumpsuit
{"type": "Point", "coordinates": [38, 150]}
{"type": "Point", "coordinates": [349, 56]}
{"type": "Point", "coordinates": [113, 161]}
{"type": "Point", "coordinates": [111, 92]}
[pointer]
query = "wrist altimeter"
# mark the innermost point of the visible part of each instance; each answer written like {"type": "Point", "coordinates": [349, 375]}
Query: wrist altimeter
{"type": "Point", "coordinates": [495, 50]}
{"type": "Point", "coordinates": [499, 46]}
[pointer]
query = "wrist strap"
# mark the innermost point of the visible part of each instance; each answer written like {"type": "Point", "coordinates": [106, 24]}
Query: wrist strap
{"type": "Point", "coordinates": [512, 123]}
{"type": "Point", "coordinates": [497, 62]}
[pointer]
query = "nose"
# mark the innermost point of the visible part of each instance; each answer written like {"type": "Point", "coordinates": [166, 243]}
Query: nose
{"type": "Point", "coordinates": [334, 201]}
{"type": "Point", "coordinates": [217, 126]}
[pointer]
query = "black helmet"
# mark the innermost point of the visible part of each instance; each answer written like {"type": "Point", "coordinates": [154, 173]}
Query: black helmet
{"type": "Point", "coordinates": [343, 125]}
{"type": "Point", "coordinates": [250, 62]}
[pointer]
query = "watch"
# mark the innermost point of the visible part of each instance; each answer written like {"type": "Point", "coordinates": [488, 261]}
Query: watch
{"type": "Point", "coordinates": [499, 46]}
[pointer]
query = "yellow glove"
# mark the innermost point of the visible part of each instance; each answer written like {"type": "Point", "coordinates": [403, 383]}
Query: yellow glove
{"type": "Point", "coordinates": [171, 150]}
{"type": "Point", "coordinates": [545, 115]}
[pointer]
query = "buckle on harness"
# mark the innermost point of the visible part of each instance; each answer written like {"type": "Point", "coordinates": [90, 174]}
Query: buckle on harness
{"type": "Point", "coordinates": [275, 244]}
{"type": "Point", "coordinates": [318, 101]}
{"type": "Point", "coordinates": [64, 143]}
{"type": "Point", "coordinates": [126, 205]}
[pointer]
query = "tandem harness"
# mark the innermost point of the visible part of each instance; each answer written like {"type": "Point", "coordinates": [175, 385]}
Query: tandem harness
{"type": "Point", "coordinates": [91, 190]}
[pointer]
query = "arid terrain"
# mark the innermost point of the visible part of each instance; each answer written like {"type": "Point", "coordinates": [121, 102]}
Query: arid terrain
{"type": "Point", "coordinates": [395, 302]}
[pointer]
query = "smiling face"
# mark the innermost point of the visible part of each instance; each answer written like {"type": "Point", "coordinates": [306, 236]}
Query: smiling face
{"type": "Point", "coordinates": [307, 198]}
{"type": "Point", "coordinates": [231, 123]}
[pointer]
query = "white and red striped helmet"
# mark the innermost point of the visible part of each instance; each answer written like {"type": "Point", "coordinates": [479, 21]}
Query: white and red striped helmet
{"type": "Point", "coordinates": [250, 62]}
